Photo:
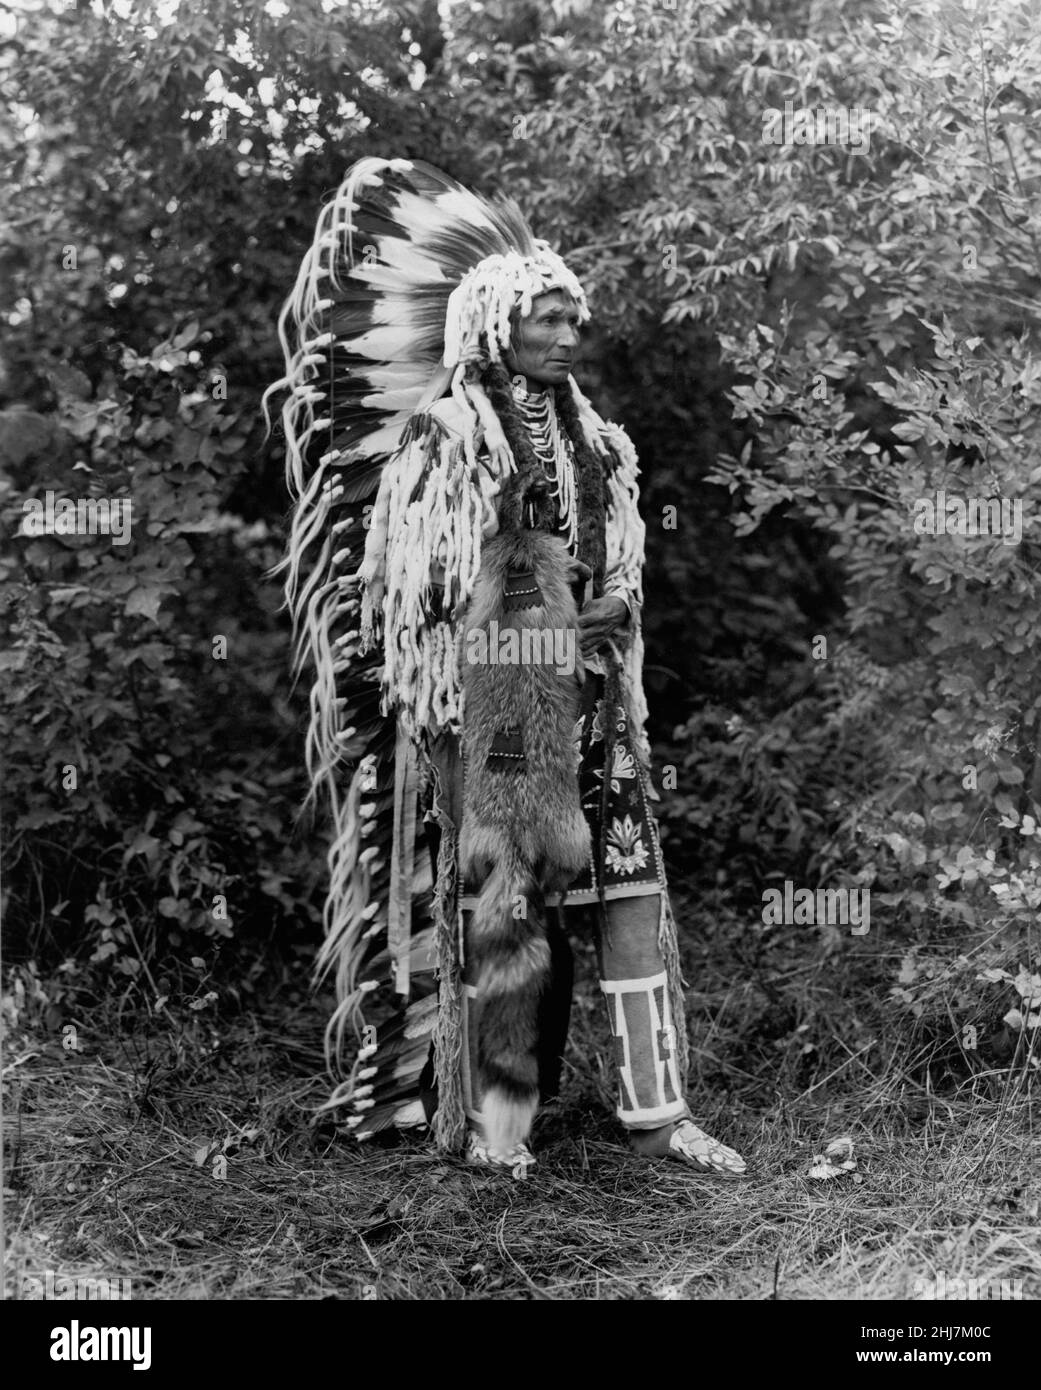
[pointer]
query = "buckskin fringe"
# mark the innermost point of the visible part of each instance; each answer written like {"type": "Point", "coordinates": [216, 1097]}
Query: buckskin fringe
{"type": "Point", "coordinates": [450, 1116]}
{"type": "Point", "coordinates": [348, 913]}
{"type": "Point", "coordinates": [437, 507]}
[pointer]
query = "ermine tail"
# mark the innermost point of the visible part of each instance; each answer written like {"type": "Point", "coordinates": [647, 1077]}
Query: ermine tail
{"type": "Point", "coordinates": [512, 964]}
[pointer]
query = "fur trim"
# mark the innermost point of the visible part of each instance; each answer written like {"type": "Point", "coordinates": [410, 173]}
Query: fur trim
{"type": "Point", "coordinates": [523, 831]}
{"type": "Point", "coordinates": [507, 1119]}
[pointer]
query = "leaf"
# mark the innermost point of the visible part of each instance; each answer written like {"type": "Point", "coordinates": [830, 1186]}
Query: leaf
{"type": "Point", "coordinates": [187, 335]}
{"type": "Point", "coordinates": [900, 846]}
{"type": "Point", "coordinates": [908, 971]}
{"type": "Point", "coordinates": [33, 820]}
{"type": "Point", "coordinates": [69, 382]}
{"type": "Point", "coordinates": [993, 977]}
{"type": "Point", "coordinates": [908, 429]}
{"type": "Point", "coordinates": [144, 602]}
{"type": "Point", "coordinates": [24, 434]}
{"type": "Point", "coordinates": [837, 1160]}
{"type": "Point", "coordinates": [1028, 987]}
{"type": "Point", "coordinates": [840, 1150]}
{"type": "Point", "coordinates": [144, 844]}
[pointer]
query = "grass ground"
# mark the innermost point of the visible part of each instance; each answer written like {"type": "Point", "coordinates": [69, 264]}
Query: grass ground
{"type": "Point", "coordinates": [112, 1169]}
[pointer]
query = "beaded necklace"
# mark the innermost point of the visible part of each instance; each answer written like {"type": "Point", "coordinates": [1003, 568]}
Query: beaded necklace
{"type": "Point", "coordinates": [554, 452]}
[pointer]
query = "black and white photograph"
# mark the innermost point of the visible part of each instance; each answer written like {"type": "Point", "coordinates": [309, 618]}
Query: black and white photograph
{"type": "Point", "coordinates": [520, 688]}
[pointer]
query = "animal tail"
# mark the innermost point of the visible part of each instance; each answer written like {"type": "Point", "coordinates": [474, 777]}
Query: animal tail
{"type": "Point", "coordinates": [510, 955]}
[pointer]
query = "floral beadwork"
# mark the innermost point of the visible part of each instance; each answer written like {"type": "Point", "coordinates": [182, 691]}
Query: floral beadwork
{"type": "Point", "coordinates": [626, 852]}
{"type": "Point", "coordinates": [623, 766]}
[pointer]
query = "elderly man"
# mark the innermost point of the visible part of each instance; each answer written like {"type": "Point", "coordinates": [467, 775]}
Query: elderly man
{"type": "Point", "coordinates": [480, 668]}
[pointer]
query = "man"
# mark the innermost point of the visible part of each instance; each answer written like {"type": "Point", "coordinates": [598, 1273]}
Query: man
{"type": "Point", "coordinates": [489, 656]}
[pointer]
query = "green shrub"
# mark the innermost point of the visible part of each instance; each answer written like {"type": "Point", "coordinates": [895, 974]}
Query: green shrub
{"type": "Point", "coordinates": [152, 778]}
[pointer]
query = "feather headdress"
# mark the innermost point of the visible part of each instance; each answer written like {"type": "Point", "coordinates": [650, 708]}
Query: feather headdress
{"type": "Point", "coordinates": [410, 279]}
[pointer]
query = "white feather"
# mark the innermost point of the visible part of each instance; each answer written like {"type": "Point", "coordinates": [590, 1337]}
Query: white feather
{"type": "Point", "coordinates": [384, 344]}
{"type": "Point", "coordinates": [407, 398]}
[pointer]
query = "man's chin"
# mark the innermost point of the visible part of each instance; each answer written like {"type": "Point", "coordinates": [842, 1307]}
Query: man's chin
{"type": "Point", "coordinates": [552, 374]}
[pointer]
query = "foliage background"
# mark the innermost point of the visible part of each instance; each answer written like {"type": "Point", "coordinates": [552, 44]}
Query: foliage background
{"type": "Point", "coordinates": [802, 341]}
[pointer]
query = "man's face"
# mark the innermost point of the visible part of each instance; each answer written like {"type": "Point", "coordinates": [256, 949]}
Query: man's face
{"type": "Point", "coordinates": [544, 344]}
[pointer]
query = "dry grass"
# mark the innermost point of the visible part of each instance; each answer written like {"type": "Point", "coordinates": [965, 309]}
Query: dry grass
{"type": "Point", "coordinates": [103, 1180]}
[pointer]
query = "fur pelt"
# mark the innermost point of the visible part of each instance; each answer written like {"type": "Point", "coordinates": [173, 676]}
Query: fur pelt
{"type": "Point", "coordinates": [523, 831]}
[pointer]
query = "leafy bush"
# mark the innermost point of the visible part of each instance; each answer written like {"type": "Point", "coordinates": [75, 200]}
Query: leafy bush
{"type": "Point", "coordinates": [805, 340]}
{"type": "Point", "coordinates": [144, 683]}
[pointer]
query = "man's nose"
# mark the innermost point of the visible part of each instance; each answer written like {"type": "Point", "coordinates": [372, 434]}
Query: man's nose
{"type": "Point", "coordinates": [569, 336]}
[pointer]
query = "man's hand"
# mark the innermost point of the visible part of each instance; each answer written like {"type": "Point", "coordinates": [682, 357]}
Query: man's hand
{"type": "Point", "coordinates": [599, 620]}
